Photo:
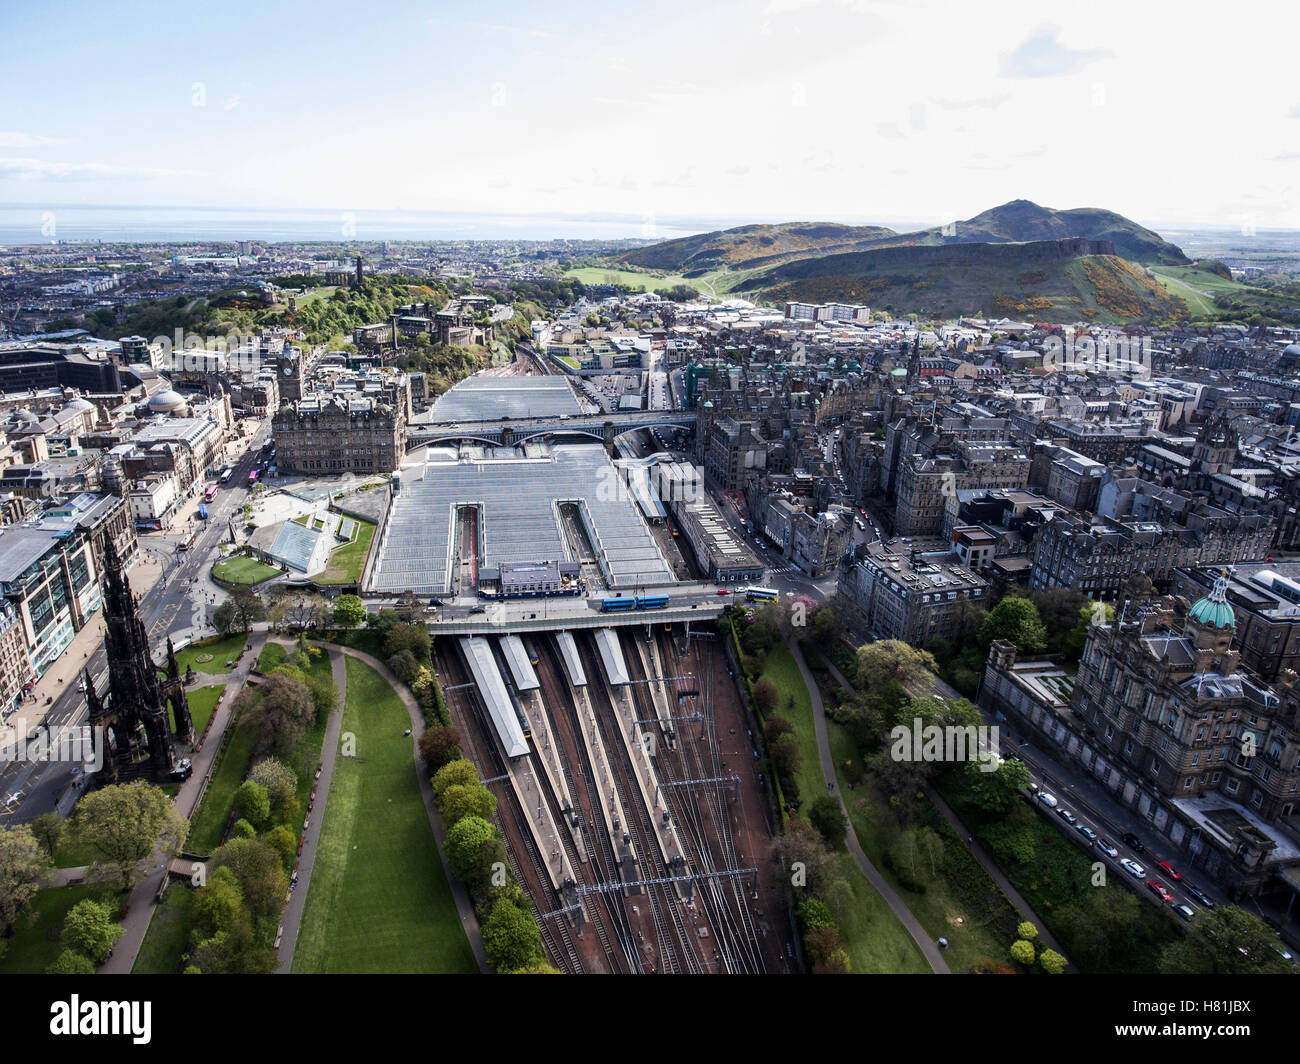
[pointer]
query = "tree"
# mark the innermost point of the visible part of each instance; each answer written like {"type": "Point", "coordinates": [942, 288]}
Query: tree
{"type": "Point", "coordinates": [1016, 620]}
{"type": "Point", "coordinates": [889, 667]}
{"type": "Point", "coordinates": [1026, 930]}
{"type": "Point", "coordinates": [813, 913]}
{"type": "Point", "coordinates": [459, 802]}
{"type": "Point", "coordinates": [281, 708]}
{"type": "Point", "coordinates": [439, 745]}
{"type": "Point", "coordinates": [89, 929]}
{"type": "Point", "coordinates": [826, 627]}
{"type": "Point", "coordinates": [511, 937]}
{"type": "Point", "coordinates": [456, 773]}
{"type": "Point", "coordinates": [765, 697]}
{"type": "Point", "coordinates": [995, 791]}
{"type": "Point", "coordinates": [217, 904]}
{"type": "Point", "coordinates": [281, 783]}
{"type": "Point", "coordinates": [801, 848]}
{"type": "Point", "coordinates": [281, 839]}
{"type": "Point", "coordinates": [349, 611]}
{"type": "Point", "coordinates": [1022, 952]}
{"type": "Point", "coordinates": [472, 847]}
{"type": "Point", "coordinates": [239, 612]}
{"type": "Point", "coordinates": [70, 962]}
{"type": "Point", "coordinates": [1235, 942]}
{"type": "Point", "coordinates": [827, 816]}
{"type": "Point", "coordinates": [125, 822]}
{"type": "Point", "coordinates": [23, 866]}
{"type": "Point", "coordinates": [1053, 963]}
{"type": "Point", "coordinates": [408, 636]}
{"type": "Point", "coordinates": [49, 830]}
{"type": "Point", "coordinates": [252, 803]}
{"type": "Point", "coordinates": [259, 871]}
{"type": "Point", "coordinates": [404, 666]}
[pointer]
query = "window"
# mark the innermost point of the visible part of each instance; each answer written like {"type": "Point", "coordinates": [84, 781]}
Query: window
{"type": "Point", "coordinates": [1231, 787]}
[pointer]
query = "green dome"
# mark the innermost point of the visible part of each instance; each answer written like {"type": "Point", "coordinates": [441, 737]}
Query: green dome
{"type": "Point", "coordinates": [1213, 610]}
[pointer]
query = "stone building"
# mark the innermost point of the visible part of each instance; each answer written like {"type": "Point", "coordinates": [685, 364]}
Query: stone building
{"type": "Point", "coordinates": [320, 436]}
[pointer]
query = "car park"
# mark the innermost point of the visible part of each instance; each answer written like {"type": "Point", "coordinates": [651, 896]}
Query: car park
{"type": "Point", "coordinates": [1107, 847]}
{"type": "Point", "coordinates": [1168, 870]}
{"type": "Point", "coordinates": [1133, 868]}
{"type": "Point", "coordinates": [1160, 891]}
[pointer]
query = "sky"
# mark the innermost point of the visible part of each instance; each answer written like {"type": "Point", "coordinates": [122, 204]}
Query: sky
{"type": "Point", "coordinates": [756, 110]}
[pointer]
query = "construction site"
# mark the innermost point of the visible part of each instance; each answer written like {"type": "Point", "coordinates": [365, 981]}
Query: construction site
{"type": "Point", "coordinates": [632, 801]}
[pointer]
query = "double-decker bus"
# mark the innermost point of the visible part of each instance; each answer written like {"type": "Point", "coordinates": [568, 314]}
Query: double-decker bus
{"type": "Point", "coordinates": [652, 602]}
{"type": "Point", "coordinates": [226, 474]}
{"type": "Point", "coordinates": [189, 541]}
{"type": "Point", "coordinates": [210, 492]}
{"type": "Point", "coordinates": [617, 605]}
{"type": "Point", "coordinates": [252, 477]}
{"type": "Point", "coordinates": [761, 594]}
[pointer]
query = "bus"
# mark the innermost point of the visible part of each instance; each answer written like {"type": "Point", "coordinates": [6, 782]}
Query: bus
{"type": "Point", "coordinates": [252, 477]}
{"type": "Point", "coordinates": [652, 602]}
{"type": "Point", "coordinates": [203, 511]}
{"type": "Point", "coordinates": [226, 474]}
{"type": "Point", "coordinates": [210, 493]}
{"type": "Point", "coordinates": [189, 541]}
{"type": "Point", "coordinates": [762, 594]}
{"type": "Point", "coordinates": [616, 605]}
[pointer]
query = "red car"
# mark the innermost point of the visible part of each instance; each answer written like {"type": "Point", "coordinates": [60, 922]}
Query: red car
{"type": "Point", "coordinates": [1159, 890]}
{"type": "Point", "coordinates": [1168, 870]}
{"type": "Point", "coordinates": [723, 591]}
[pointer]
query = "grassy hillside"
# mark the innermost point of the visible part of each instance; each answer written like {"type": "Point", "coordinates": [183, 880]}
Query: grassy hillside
{"type": "Point", "coordinates": [1022, 220]}
{"type": "Point", "coordinates": [1101, 288]}
{"type": "Point", "coordinates": [751, 246]}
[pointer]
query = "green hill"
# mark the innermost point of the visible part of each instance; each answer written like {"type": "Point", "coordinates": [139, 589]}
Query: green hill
{"type": "Point", "coordinates": [1053, 280]}
{"type": "Point", "coordinates": [1022, 220]}
{"type": "Point", "coordinates": [751, 246]}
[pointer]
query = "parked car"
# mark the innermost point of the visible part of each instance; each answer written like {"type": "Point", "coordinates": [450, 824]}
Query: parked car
{"type": "Point", "coordinates": [1281, 951]}
{"type": "Point", "coordinates": [1133, 868]}
{"type": "Point", "coordinates": [1086, 832]}
{"type": "Point", "coordinates": [1168, 870]}
{"type": "Point", "coordinates": [1133, 842]}
{"type": "Point", "coordinates": [1067, 816]}
{"type": "Point", "coordinates": [723, 591]}
{"type": "Point", "coordinates": [479, 609]}
{"type": "Point", "coordinates": [1158, 889]}
{"type": "Point", "coordinates": [1108, 848]}
{"type": "Point", "coordinates": [1048, 800]}
{"type": "Point", "coordinates": [1200, 896]}
{"type": "Point", "coordinates": [1185, 911]}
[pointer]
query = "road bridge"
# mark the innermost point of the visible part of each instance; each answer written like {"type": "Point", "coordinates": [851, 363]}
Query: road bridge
{"type": "Point", "coordinates": [511, 432]}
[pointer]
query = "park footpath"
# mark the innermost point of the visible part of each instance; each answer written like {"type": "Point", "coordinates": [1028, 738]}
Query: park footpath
{"type": "Point", "coordinates": [140, 904]}
{"type": "Point", "coordinates": [977, 851]}
{"type": "Point", "coordinates": [925, 944]}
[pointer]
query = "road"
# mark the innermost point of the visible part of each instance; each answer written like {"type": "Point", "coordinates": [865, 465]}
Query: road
{"type": "Point", "coordinates": [171, 607]}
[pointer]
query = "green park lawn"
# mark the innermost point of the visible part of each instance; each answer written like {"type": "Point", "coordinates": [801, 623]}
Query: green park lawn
{"type": "Point", "coordinates": [203, 703]}
{"type": "Point", "coordinates": [782, 672]}
{"type": "Point", "coordinates": [378, 900]}
{"type": "Point", "coordinates": [272, 656]}
{"type": "Point", "coordinates": [244, 569]}
{"type": "Point", "coordinates": [211, 658]}
{"type": "Point", "coordinates": [347, 561]}
{"type": "Point", "coordinates": [208, 823]}
{"type": "Point", "coordinates": [35, 944]}
{"type": "Point", "coordinates": [169, 928]}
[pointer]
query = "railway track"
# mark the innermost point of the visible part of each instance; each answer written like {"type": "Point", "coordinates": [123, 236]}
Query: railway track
{"type": "Point", "coordinates": [675, 946]}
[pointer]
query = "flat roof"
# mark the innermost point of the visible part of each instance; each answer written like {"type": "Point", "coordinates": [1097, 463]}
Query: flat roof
{"type": "Point", "coordinates": [482, 398]}
{"type": "Point", "coordinates": [517, 498]}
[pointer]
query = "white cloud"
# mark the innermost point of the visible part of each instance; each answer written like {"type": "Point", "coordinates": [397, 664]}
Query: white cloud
{"type": "Point", "coordinates": [14, 139]}
{"type": "Point", "coordinates": [1042, 55]}
{"type": "Point", "coordinates": [39, 170]}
